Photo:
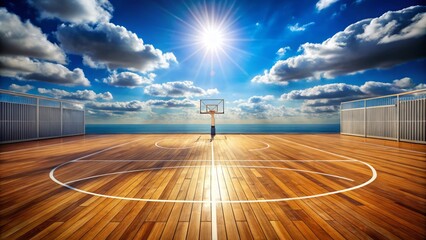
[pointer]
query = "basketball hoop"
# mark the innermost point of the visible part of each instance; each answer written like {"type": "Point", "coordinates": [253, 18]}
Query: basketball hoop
{"type": "Point", "coordinates": [212, 107]}
{"type": "Point", "coordinates": [208, 105]}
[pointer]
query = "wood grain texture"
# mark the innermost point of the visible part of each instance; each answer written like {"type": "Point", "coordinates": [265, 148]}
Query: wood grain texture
{"type": "Point", "coordinates": [179, 168]}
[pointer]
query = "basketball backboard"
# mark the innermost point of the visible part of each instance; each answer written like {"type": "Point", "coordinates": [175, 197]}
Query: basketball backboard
{"type": "Point", "coordinates": [208, 105]}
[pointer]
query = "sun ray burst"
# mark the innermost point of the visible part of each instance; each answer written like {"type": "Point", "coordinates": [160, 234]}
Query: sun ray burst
{"type": "Point", "coordinates": [212, 34]}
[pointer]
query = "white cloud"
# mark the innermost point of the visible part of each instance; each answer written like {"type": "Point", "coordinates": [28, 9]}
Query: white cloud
{"type": "Point", "coordinates": [282, 51]}
{"type": "Point", "coordinates": [114, 47]}
{"type": "Point", "coordinates": [260, 107]}
{"type": "Point", "coordinates": [75, 11]}
{"type": "Point", "coordinates": [172, 103]}
{"type": "Point", "coordinates": [403, 82]}
{"type": "Point", "coordinates": [178, 89]}
{"type": "Point", "coordinates": [324, 102]}
{"type": "Point", "coordinates": [372, 88]}
{"type": "Point", "coordinates": [260, 99]}
{"type": "Point", "coordinates": [322, 4]}
{"type": "Point", "coordinates": [343, 91]}
{"type": "Point", "coordinates": [24, 39]}
{"type": "Point", "coordinates": [129, 79]}
{"type": "Point", "coordinates": [131, 106]}
{"type": "Point", "coordinates": [238, 101]}
{"type": "Point", "coordinates": [20, 88]}
{"type": "Point", "coordinates": [24, 46]}
{"type": "Point", "coordinates": [268, 78]}
{"type": "Point", "coordinates": [149, 111]}
{"type": "Point", "coordinates": [85, 95]}
{"type": "Point", "coordinates": [391, 39]}
{"type": "Point", "coordinates": [104, 96]}
{"type": "Point", "coordinates": [297, 28]}
{"type": "Point", "coordinates": [25, 68]}
{"type": "Point", "coordinates": [379, 28]}
{"type": "Point", "coordinates": [421, 86]}
{"type": "Point", "coordinates": [326, 98]}
{"type": "Point", "coordinates": [334, 90]}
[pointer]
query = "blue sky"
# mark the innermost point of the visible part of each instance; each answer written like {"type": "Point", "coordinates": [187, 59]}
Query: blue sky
{"type": "Point", "coordinates": [272, 61]}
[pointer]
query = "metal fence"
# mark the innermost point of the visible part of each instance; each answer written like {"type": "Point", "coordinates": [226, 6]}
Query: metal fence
{"type": "Point", "coordinates": [400, 117]}
{"type": "Point", "coordinates": [27, 117]}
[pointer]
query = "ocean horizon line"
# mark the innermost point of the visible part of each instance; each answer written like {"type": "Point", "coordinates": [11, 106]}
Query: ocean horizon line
{"type": "Point", "coordinates": [205, 128]}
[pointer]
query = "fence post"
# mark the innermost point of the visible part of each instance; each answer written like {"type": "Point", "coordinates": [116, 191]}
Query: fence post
{"type": "Point", "coordinates": [365, 118]}
{"type": "Point", "coordinates": [38, 117]}
{"type": "Point", "coordinates": [62, 119]}
{"type": "Point", "coordinates": [397, 119]}
{"type": "Point", "coordinates": [84, 119]}
{"type": "Point", "coordinates": [341, 121]}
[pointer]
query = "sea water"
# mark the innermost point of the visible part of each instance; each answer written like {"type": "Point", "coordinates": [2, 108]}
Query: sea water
{"type": "Point", "coordinates": [205, 128]}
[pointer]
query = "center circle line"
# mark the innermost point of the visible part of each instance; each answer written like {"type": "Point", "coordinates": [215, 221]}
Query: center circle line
{"type": "Point", "coordinates": [373, 177]}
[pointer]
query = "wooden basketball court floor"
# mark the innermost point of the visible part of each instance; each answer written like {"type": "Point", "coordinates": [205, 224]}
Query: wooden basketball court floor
{"type": "Point", "coordinates": [236, 187]}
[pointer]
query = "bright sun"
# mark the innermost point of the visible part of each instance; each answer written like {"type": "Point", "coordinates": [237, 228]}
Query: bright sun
{"type": "Point", "coordinates": [212, 39]}
{"type": "Point", "coordinates": [213, 36]}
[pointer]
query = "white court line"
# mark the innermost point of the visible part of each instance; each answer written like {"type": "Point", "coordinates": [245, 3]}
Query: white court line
{"type": "Point", "coordinates": [257, 149]}
{"type": "Point", "coordinates": [159, 146]}
{"type": "Point", "coordinates": [25, 149]}
{"type": "Point", "coordinates": [314, 148]}
{"type": "Point", "coordinates": [52, 172]}
{"type": "Point", "coordinates": [373, 177]}
{"type": "Point", "coordinates": [213, 192]}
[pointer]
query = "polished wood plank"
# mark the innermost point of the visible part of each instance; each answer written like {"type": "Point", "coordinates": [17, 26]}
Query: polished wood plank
{"type": "Point", "coordinates": [178, 168]}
